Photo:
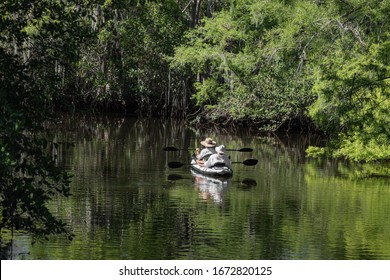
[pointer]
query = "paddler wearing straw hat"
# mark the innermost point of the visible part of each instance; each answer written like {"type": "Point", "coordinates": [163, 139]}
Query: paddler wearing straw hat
{"type": "Point", "coordinates": [208, 150]}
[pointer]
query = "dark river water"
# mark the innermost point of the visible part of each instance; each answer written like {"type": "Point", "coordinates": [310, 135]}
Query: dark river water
{"type": "Point", "coordinates": [127, 203]}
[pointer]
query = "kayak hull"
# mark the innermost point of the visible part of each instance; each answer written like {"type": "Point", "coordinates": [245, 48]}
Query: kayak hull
{"type": "Point", "coordinates": [216, 171]}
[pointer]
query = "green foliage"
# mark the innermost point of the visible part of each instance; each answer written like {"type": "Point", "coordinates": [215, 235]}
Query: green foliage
{"type": "Point", "coordinates": [233, 52]}
{"type": "Point", "coordinates": [275, 61]}
{"type": "Point", "coordinates": [125, 66]}
{"type": "Point", "coordinates": [149, 39]}
{"type": "Point", "coordinates": [38, 50]}
{"type": "Point", "coordinates": [352, 84]}
{"type": "Point", "coordinates": [316, 152]}
{"type": "Point", "coordinates": [29, 179]}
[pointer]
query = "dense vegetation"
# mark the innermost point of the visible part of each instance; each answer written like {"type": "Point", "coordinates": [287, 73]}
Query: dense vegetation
{"type": "Point", "coordinates": [38, 50]}
{"type": "Point", "coordinates": [260, 62]}
{"type": "Point", "coordinates": [273, 62]}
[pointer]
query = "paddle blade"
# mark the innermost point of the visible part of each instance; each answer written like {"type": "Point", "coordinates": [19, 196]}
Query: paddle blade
{"type": "Point", "coordinates": [170, 149]}
{"type": "Point", "coordinates": [250, 162]}
{"type": "Point", "coordinates": [175, 164]}
{"type": "Point", "coordinates": [245, 150]}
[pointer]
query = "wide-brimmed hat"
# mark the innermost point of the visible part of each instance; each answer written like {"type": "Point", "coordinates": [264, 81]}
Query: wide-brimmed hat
{"type": "Point", "coordinates": [208, 142]}
{"type": "Point", "coordinates": [220, 149]}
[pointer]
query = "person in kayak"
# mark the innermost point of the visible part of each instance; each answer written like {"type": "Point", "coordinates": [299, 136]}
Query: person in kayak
{"type": "Point", "coordinates": [201, 156]}
{"type": "Point", "coordinates": [218, 159]}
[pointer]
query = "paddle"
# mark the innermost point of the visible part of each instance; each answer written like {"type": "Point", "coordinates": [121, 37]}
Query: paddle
{"type": "Point", "coordinates": [173, 149]}
{"type": "Point", "coordinates": [176, 164]}
{"type": "Point", "coordinates": [248, 162]}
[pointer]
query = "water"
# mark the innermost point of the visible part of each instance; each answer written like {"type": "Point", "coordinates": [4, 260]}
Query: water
{"type": "Point", "coordinates": [127, 204]}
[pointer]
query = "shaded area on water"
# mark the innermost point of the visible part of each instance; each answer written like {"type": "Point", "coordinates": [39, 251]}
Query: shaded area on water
{"type": "Point", "coordinates": [127, 204]}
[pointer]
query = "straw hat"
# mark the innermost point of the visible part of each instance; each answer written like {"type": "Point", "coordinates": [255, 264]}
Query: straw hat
{"type": "Point", "coordinates": [208, 142]}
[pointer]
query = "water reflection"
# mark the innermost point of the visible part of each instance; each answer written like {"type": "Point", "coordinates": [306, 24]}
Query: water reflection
{"type": "Point", "coordinates": [211, 188]}
{"type": "Point", "coordinates": [127, 204]}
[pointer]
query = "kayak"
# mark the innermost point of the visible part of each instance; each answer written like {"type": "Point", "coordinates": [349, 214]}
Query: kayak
{"type": "Point", "coordinates": [215, 171]}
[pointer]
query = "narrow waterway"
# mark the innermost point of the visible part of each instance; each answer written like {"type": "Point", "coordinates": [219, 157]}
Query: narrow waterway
{"type": "Point", "coordinates": [127, 203]}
